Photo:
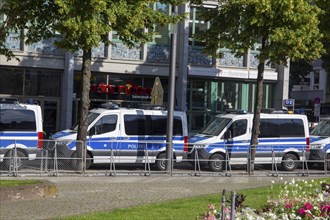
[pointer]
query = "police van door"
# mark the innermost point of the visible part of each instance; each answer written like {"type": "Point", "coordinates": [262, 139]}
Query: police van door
{"type": "Point", "coordinates": [238, 144]}
{"type": "Point", "coordinates": [103, 139]}
{"type": "Point", "coordinates": [135, 137]}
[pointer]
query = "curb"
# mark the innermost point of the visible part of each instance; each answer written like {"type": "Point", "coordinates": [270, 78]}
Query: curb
{"type": "Point", "coordinates": [33, 191]}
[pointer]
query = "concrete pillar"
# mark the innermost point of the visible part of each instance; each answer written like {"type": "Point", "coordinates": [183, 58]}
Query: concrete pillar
{"type": "Point", "coordinates": [67, 92]}
{"type": "Point", "coordinates": [281, 88]}
{"type": "Point", "coordinates": [182, 60]}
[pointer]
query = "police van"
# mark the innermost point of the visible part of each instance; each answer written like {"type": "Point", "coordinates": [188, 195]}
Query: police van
{"type": "Point", "coordinates": [284, 139]}
{"type": "Point", "coordinates": [320, 143]}
{"type": "Point", "coordinates": [20, 128]}
{"type": "Point", "coordinates": [129, 135]}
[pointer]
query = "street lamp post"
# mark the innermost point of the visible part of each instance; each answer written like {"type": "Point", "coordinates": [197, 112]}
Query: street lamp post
{"type": "Point", "coordinates": [171, 97]}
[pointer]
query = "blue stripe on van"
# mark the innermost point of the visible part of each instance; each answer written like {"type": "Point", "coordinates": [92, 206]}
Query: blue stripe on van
{"type": "Point", "coordinates": [21, 135]}
{"type": "Point", "coordinates": [272, 144]}
{"type": "Point", "coordinates": [27, 143]}
{"type": "Point", "coordinates": [277, 140]}
{"type": "Point", "coordinates": [130, 144]}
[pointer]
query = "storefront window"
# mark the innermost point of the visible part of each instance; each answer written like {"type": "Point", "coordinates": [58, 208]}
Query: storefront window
{"type": "Point", "coordinates": [11, 81]}
{"type": "Point", "coordinates": [206, 99]}
{"type": "Point", "coordinates": [126, 90]}
{"type": "Point", "coordinates": [42, 83]}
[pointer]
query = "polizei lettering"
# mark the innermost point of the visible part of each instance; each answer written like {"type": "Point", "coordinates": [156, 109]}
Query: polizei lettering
{"type": "Point", "coordinates": [136, 146]}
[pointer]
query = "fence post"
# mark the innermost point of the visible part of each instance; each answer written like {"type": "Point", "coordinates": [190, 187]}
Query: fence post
{"type": "Point", "coordinates": [223, 204]}
{"type": "Point", "coordinates": [196, 163]}
{"type": "Point", "coordinates": [112, 163]}
{"type": "Point", "coordinates": [13, 162]}
{"type": "Point", "coordinates": [274, 163]}
{"type": "Point", "coordinates": [233, 201]}
{"type": "Point", "coordinates": [55, 160]}
{"type": "Point", "coordinates": [146, 162]}
{"type": "Point", "coordinates": [227, 160]}
{"type": "Point", "coordinates": [325, 167]}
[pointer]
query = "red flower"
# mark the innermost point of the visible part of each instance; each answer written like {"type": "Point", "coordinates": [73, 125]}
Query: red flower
{"type": "Point", "coordinates": [302, 212]}
{"type": "Point", "coordinates": [308, 206]}
{"type": "Point", "coordinates": [287, 206]}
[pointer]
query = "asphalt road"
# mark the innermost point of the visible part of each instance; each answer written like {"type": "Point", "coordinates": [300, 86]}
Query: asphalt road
{"type": "Point", "coordinates": [79, 195]}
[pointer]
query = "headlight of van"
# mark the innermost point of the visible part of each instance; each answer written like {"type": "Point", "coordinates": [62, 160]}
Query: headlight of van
{"type": "Point", "coordinates": [316, 146]}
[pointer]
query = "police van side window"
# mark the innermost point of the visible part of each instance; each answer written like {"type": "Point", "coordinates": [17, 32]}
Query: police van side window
{"type": "Point", "coordinates": [159, 123]}
{"type": "Point", "coordinates": [137, 124]}
{"type": "Point", "coordinates": [150, 125]}
{"type": "Point", "coordinates": [17, 120]}
{"type": "Point", "coordinates": [274, 128]}
{"type": "Point", "coordinates": [106, 124]}
{"type": "Point", "coordinates": [238, 127]}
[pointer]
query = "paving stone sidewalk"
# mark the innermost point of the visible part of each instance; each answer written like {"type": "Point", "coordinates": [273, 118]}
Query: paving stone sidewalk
{"type": "Point", "coordinates": [78, 195]}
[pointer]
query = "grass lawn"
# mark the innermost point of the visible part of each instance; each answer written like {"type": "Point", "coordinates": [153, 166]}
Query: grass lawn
{"type": "Point", "coordinates": [4, 183]}
{"type": "Point", "coordinates": [187, 208]}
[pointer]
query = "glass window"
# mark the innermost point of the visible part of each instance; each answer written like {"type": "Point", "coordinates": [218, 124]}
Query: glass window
{"type": "Point", "coordinates": [137, 124]}
{"type": "Point", "coordinates": [90, 118]}
{"type": "Point", "coordinates": [162, 36]}
{"type": "Point", "coordinates": [115, 36]}
{"type": "Point", "coordinates": [106, 124]}
{"type": "Point", "coordinates": [201, 95]}
{"type": "Point", "coordinates": [127, 90]}
{"type": "Point", "coordinates": [42, 82]}
{"type": "Point", "coordinates": [150, 125]}
{"type": "Point", "coordinates": [271, 128]}
{"type": "Point", "coordinates": [11, 81]}
{"type": "Point", "coordinates": [238, 128]}
{"type": "Point", "coordinates": [322, 129]}
{"type": "Point", "coordinates": [216, 126]}
{"type": "Point", "coordinates": [159, 125]}
{"type": "Point", "coordinates": [196, 25]}
{"type": "Point", "coordinates": [17, 120]}
{"type": "Point", "coordinates": [316, 77]}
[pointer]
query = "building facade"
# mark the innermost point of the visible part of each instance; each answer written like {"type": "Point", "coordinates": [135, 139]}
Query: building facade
{"type": "Point", "coordinates": [205, 85]}
{"type": "Point", "coordinates": [312, 96]}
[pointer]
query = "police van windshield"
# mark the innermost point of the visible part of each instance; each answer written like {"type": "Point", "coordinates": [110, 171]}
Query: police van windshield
{"type": "Point", "coordinates": [322, 129]}
{"type": "Point", "coordinates": [215, 127]}
{"type": "Point", "coordinates": [90, 118]}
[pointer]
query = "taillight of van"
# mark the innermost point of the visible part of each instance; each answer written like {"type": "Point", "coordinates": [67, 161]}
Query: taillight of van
{"type": "Point", "coordinates": [185, 145]}
{"type": "Point", "coordinates": [40, 138]}
{"type": "Point", "coordinates": [307, 144]}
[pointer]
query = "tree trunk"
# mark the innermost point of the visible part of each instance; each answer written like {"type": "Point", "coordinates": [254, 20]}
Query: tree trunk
{"type": "Point", "coordinates": [256, 114]}
{"type": "Point", "coordinates": [84, 108]}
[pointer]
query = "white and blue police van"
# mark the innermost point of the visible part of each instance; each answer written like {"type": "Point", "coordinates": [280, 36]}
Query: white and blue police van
{"type": "Point", "coordinates": [20, 128]}
{"type": "Point", "coordinates": [129, 135]}
{"type": "Point", "coordinates": [283, 138]}
{"type": "Point", "coordinates": [320, 143]}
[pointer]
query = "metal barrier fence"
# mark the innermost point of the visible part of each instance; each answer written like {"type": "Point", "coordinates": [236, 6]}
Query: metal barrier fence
{"type": "Point", "coordinates": [145, 158]}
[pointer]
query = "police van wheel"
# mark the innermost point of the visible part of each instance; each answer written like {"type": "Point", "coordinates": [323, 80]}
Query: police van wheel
{"type": "Point", "coordinates": [216, 163]}
{"type": "Point", "coordinates": [161, 162]}
{"type": "Point", "coordinates": [289, 162]}
{"type": "Point", "coordinates": [21, 160]}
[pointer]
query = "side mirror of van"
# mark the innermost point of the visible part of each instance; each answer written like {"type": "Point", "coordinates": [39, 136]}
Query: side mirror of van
{"type": "Point", "coordinates": [92, 131]}
{"type": "Point", "coordinates": [228, 135]}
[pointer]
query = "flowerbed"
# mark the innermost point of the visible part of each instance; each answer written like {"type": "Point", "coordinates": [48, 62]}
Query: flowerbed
{"type": "Point", "coordinates": [297, 199]}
